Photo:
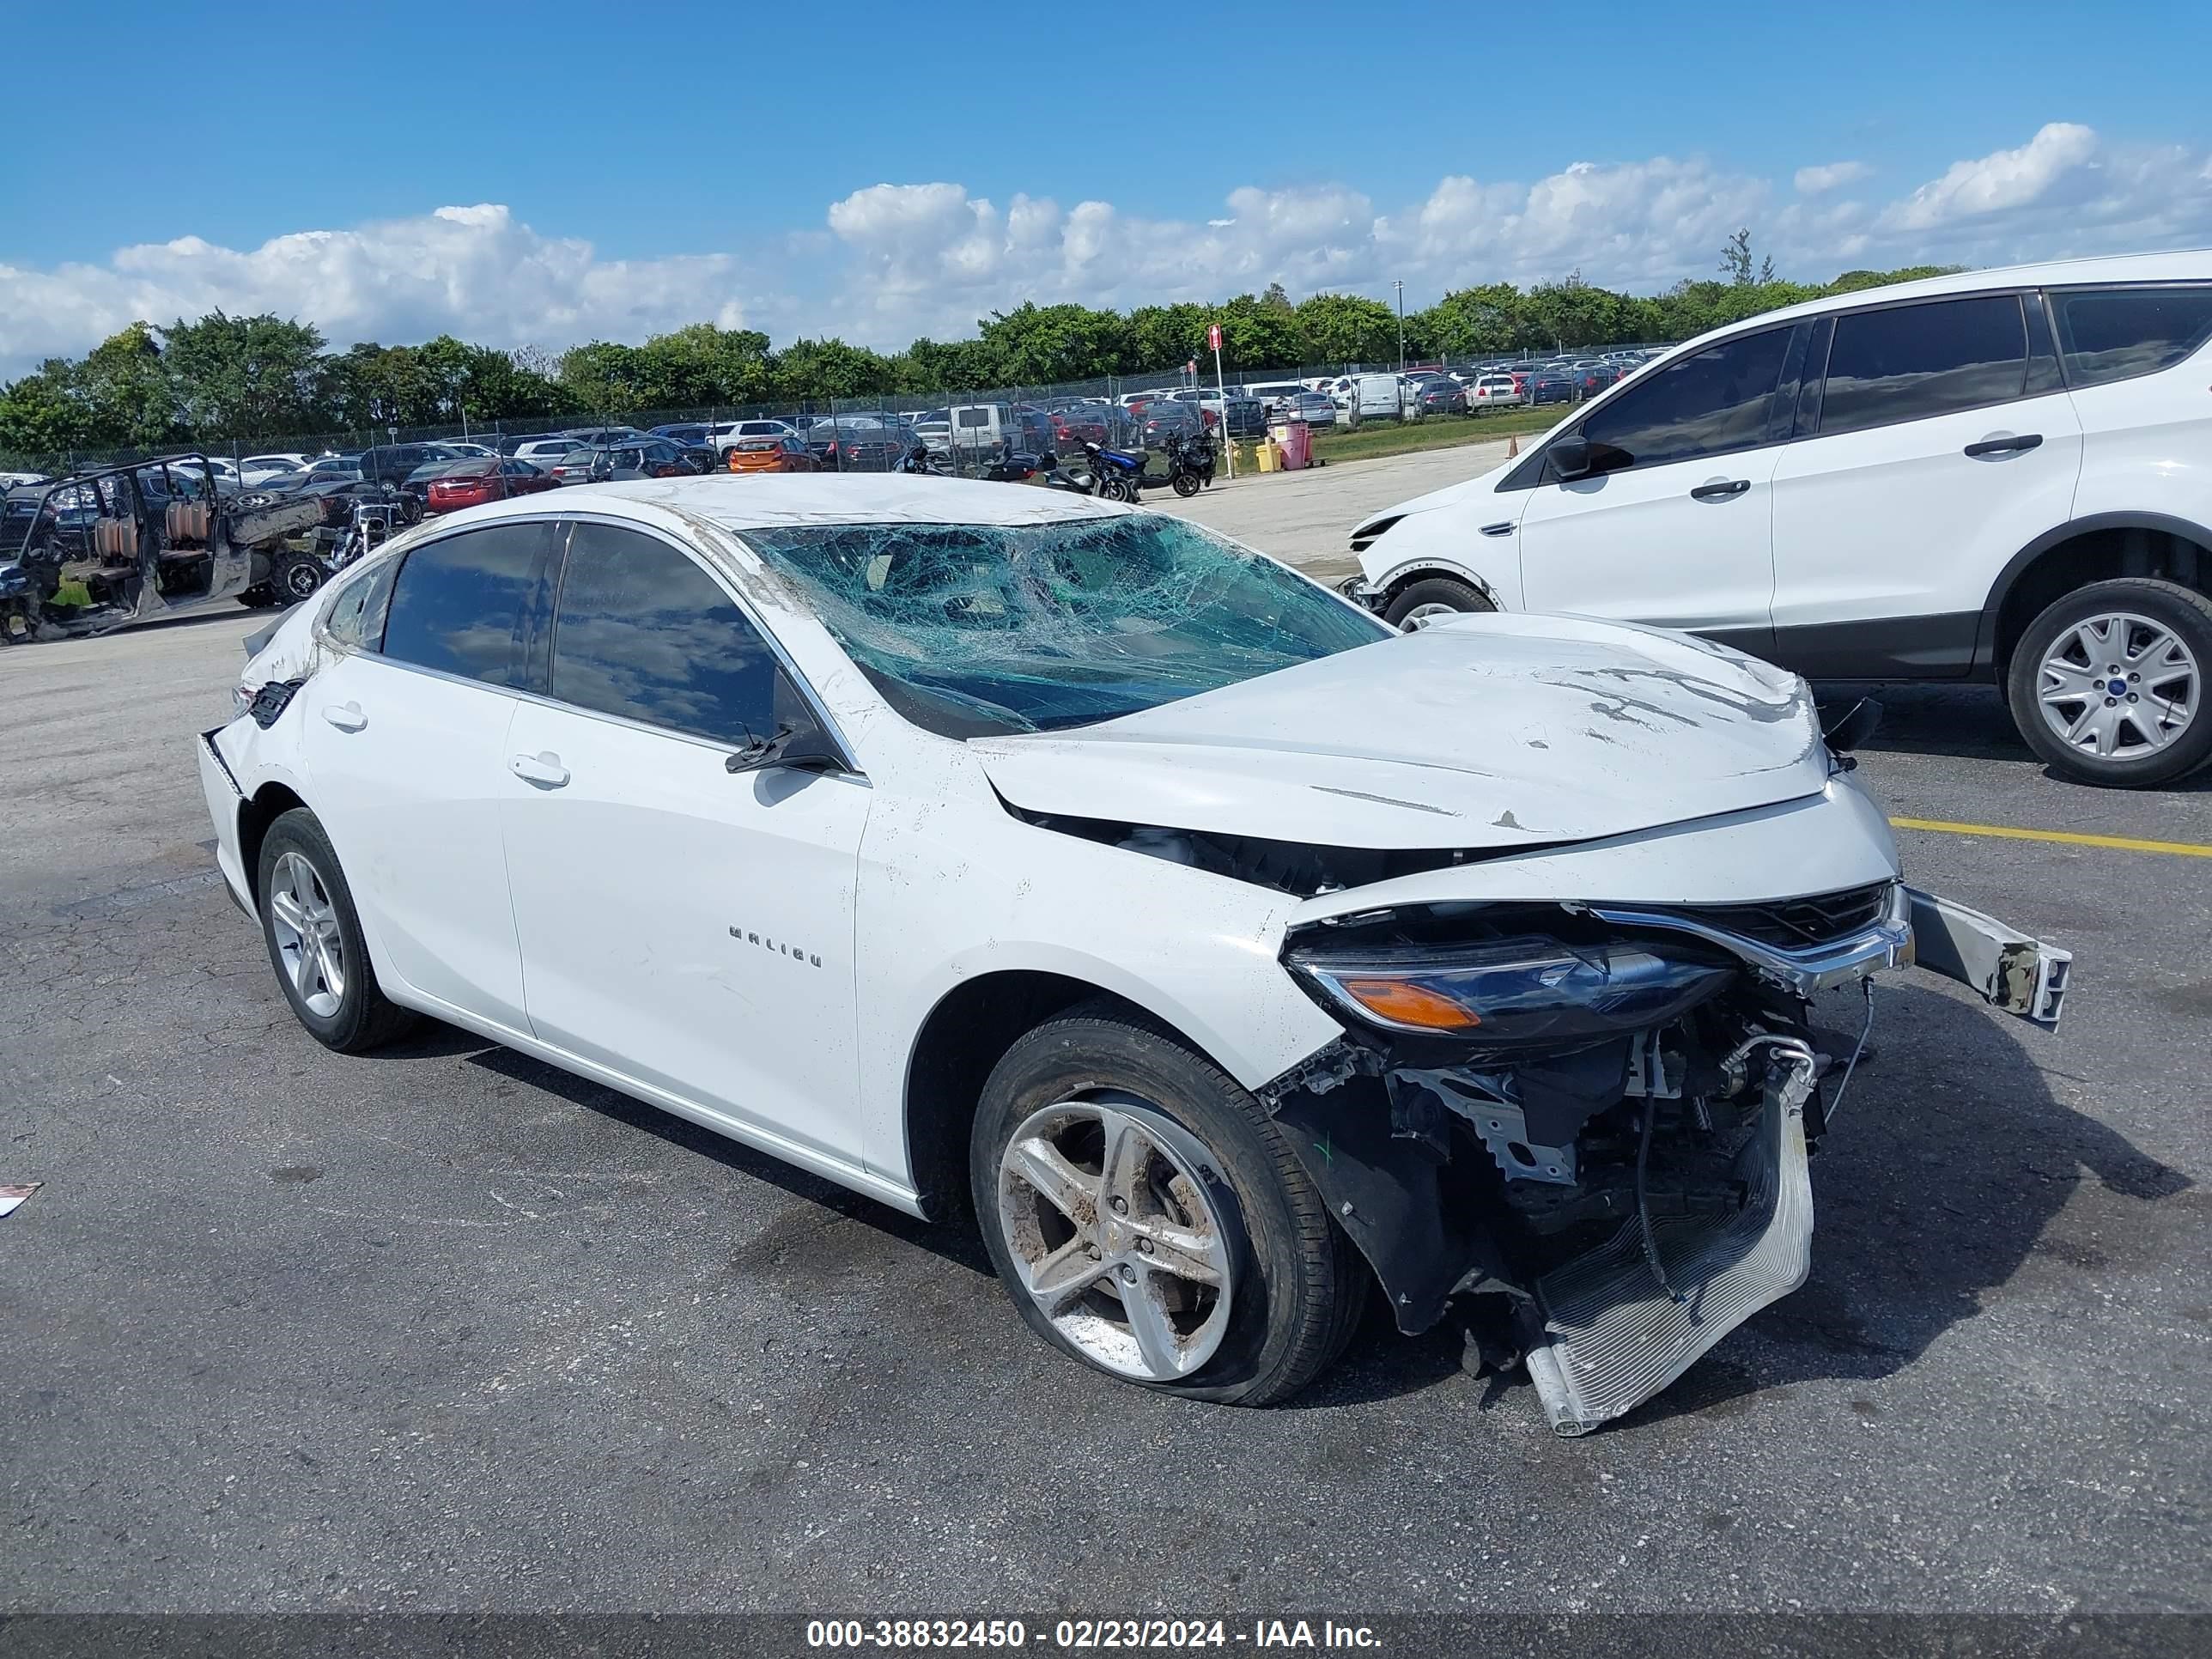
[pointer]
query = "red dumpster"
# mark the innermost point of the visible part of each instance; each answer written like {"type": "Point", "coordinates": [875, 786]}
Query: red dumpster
{"type": "Point", "coordinates": [1293, 440]}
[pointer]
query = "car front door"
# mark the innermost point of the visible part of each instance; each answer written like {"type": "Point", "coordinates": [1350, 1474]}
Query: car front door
{"type": "Point", "coordinates": [686, 926]}
{"type": "Point", "coordinates": [1675, 527]}
{"type": "Point", "coordinates": [406, 750]}
{"type": "Point", "coordinates": [1938, 443]}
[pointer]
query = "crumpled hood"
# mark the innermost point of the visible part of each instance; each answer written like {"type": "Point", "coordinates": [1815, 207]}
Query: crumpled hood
{"type": "Point", "coordinates": [1492, 730]}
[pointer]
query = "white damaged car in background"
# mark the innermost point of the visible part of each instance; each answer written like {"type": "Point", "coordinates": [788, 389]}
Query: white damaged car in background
{"type": "Point", "coordinates": [1066, 870]}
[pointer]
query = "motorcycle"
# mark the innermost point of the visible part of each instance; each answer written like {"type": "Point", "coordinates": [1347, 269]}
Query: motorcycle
{"type": "Point", "coordinates": [1120, 475]}
{"type": "Point", "coordinates": [1017, 467]}
{"type": "Point", "coordinates": [1190, 464]}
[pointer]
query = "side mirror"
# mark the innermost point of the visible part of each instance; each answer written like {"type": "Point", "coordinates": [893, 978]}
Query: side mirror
{"type": "Point", "coordinates": [804, 748]}
{"type": "Point", "coordinates": [1571, 459]}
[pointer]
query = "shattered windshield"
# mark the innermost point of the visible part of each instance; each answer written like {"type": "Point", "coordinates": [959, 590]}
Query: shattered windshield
{"type": "Point", "coordinates": [973, 630]}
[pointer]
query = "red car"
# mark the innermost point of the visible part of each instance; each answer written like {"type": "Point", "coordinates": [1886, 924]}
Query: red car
{"type": "Point", "coordinates": [479, 482]}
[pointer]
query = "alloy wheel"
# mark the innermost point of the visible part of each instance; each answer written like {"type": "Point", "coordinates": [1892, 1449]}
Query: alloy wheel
{"type": "Point", "coordinates": [1116, 1237]}
{"type": "Point", "coordinates": [309, 941]}
{"type": "Point", "coordinates": [1421, 616]}
{"type": "Point", "coordinates": [2119, 686]}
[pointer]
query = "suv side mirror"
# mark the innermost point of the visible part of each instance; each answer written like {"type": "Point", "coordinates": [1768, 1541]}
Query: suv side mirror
{"type": "Point", "coordinates": [1570, 458]}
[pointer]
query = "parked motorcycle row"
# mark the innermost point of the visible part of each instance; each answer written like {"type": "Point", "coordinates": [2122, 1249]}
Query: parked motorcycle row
{"type": "Point", "coordinates": [1114, 474]}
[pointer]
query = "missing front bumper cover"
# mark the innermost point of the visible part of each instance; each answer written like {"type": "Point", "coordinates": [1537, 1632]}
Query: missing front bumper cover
{"type": "Point", "coordinates": [1611, 1335]}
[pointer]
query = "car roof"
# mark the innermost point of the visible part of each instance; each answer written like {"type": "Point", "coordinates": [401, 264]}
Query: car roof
{"type": "Point", "coordinates": [2191, 264]}
{"type": "Point", "coordinates": [772, 500]}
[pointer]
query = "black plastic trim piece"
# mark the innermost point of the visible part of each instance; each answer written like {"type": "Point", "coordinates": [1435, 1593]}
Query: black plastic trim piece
{"type": "Point", "coordinates": [1814, 383]}
{"type": "Point", "coordinates": [1937, 647]}
{"type": "Point", "coordinates": [2044, 373]}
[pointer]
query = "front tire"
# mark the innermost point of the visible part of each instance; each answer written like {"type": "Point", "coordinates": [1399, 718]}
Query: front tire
{"type": "Point", "coordinates": [1186, 484]}
{"type": "Point", "coordinates": [2107, 685]}
{"type": "Point", "coordinates": [315, 944]}
{"type": "Point", "coordinates": [1432, 599]}
{"type": "Point", "coordinates": [1149, 1218]}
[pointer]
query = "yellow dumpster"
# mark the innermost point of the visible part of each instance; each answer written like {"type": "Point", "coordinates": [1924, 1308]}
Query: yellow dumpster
{"type": "Point", "coordinates": [1266, 455]}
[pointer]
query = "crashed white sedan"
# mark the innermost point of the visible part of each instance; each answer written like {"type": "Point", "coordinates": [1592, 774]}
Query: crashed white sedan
{"type": "Point", "coordinates": [1002, 854]}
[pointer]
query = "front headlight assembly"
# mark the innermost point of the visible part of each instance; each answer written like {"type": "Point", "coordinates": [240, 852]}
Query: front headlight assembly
{"type": "Point", "coordinates": [1530, 990]}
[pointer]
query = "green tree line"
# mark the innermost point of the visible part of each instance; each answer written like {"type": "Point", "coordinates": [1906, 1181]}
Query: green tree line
{"type": "Point", "coordinates": [223, 380]}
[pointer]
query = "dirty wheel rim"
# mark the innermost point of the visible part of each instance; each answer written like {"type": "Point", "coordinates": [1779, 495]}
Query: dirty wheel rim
{"type": "Point", "coordinates": [2119, 686]}
{"type": "Point", "coordinates": [308, 939]}
{"type": "Point", "coordinates": [1421, 616]}
{"type": "Point", "coordinates": [300, 580]}
{"type": "Point", "coordinates": [1116, 1231]}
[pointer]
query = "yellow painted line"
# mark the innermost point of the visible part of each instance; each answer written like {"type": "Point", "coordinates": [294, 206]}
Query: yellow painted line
{"type": "Point", "coordinates": [2184, 849]}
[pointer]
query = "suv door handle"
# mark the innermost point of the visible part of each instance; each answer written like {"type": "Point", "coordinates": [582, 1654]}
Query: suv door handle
{"type": "Point", "coordinates": [2006, 446]}
{"type": "Point", "coordinates": [1721, 490]}
{"type": "Point", "coordinates": [543, 768]}
{"type": "Point", "coordinates": [346, 716]}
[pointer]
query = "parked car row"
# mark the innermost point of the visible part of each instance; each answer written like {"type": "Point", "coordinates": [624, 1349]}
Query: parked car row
{"type": "Point", "coordinates": [881, 440]}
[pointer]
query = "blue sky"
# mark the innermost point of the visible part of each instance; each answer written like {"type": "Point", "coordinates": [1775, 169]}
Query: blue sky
{"type": "Point", "coordinates": [625, 168]}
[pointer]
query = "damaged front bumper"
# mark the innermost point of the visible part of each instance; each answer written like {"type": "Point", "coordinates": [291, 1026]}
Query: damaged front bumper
{"type": "Point", "coordinates": [1619, 1203]}
{"type": "Point", "coordinates": [1623, 1322]}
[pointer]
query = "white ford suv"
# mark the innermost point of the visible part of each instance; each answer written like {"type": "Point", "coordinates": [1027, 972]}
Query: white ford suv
{"type": "Point", "coordinates": [1019, 855]}
{"type": "Point", "coordinates": [2003, 475]}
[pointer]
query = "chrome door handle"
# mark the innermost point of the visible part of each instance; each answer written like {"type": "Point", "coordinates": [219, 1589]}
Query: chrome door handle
{"type": "Point", "coordinates": [2005, 445]}
{"type": "Point", "coordinates": [1720, 490]}
{"type": "Point", "coordinates": [543, 768]}
{"type": "Point", "coordinates": [346, 716]}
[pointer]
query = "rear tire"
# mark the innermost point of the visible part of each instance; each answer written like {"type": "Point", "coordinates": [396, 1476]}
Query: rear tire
{"type": "Point", "coordinates": [1431, 598]}
{"type": "Point", "coordinates": [1212, 1174]}
{"type": "Point", "coordinates": [315, 943]}
{"type": "Point", "coordinates": [296, 577]}
{"type": "Point", "coordinates": [2152, 640]}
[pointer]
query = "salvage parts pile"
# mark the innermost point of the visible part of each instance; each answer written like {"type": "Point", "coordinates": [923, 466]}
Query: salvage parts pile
{"type": "Point", "coordinates": [1601, 1118]}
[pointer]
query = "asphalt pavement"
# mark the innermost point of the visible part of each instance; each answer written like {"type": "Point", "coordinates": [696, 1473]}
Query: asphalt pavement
{"type": "Point", "coordinates": [444, 1328]}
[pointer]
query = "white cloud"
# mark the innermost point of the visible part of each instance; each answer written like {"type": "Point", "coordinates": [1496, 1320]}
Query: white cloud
{"type": "Point", "coordinates": [1818, 181]}
{"type": "Point", "coordinates": [897, 260]}
{"type": "Point", "coordinates": [2006, 179]}
{"type": "Point", "coordinates": [476, 271]}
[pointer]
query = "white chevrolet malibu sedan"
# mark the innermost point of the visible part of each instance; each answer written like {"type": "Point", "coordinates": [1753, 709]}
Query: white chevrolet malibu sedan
{"type": "Point", "coordinates": [1018, 857]}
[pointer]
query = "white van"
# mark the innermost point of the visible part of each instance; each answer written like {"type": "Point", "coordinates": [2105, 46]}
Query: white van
{"type": "Point", "coordinates": [1369, 397]}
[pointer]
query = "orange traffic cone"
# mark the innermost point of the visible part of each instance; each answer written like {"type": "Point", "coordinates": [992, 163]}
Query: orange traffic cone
{"type": "Point", "coordinates": [1512, 445]}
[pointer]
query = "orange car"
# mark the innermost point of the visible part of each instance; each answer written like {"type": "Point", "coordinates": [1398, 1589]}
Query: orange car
{"type": "Point", "coordinates": [772, 455]}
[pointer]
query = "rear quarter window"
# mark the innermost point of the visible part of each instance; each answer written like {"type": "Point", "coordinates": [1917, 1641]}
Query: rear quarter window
{"type": "Point", "coordinates": [2116, 334]}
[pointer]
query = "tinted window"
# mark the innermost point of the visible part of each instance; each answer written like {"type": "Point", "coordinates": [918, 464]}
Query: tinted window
{"type": "Point", "coordinates": [1717, 401]}
{"type": "Point", "coordinates": [458, 603]}
{"type": "Point", "coordinates": [1908, 362]}
{"type": "Point", "coordinates": [642, 632]}
{"type": "Point", "coordinates": [2112, 335]}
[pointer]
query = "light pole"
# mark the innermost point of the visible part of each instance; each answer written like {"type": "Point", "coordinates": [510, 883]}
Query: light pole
{"type": "Point", "coordinates": [1401, 287]}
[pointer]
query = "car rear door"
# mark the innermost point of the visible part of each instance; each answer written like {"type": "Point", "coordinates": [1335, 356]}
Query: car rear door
{"type": "Point", "coordinates": [684, 925]}
{"type": "Point", "coordinates": [405, 749]}
{"type": "Point", "coordinates": [1937, 444]}
{"type": "Point", "coordinates": [1680, 533]}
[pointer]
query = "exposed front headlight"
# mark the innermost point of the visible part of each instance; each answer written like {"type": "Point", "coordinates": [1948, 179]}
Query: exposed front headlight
{"type": "Point", "coordinates": [1532, 990]}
